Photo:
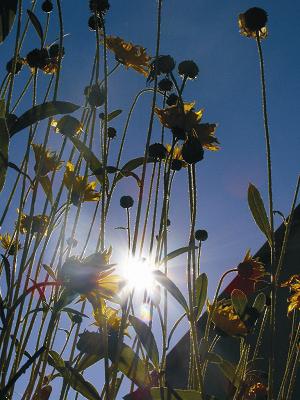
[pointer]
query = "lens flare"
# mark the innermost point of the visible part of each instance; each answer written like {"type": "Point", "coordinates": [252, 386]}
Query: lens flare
{"type": "Point", "coordinates": [138, 274]}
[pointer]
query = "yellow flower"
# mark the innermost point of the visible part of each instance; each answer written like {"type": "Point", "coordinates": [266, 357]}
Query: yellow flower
{"type": "Point", "coordinates": [132, 56]}
{"type": "Point", "coordinates": [81, 189]}
{"type": "Point", "coordinates": [103, 312]}
{"type": "Point", "coordinates": [39, 224]}
{"type": "Point", "coordinates": [9, 244]}
{"type": "Point", "coordinates": [45, 161]}
{"type": "Point", "coordinates": [294, 300]}
{"type": "Point", "coordinates": [226, 319]}
{"type": "Point", "coordinates": [251, 268]}
{"type": "Point", "coordinates": [184, 122]}
{"type": "Point", "coordinates": [67, 125]}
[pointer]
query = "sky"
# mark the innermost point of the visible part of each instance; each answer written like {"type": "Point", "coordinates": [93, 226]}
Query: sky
{"type": "Point", "coordinates": [228, 88]}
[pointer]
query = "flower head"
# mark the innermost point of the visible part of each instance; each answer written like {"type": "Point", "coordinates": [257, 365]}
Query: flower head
{"type": "Point", "coordinates": [9, 244]}
{"type": "Point", "coordinates": [157, 151]}
{"type": "Point", "coordinates": [126, 202]}
{"type": "Point", "coordinates": [38, 223]}
{"type": "Point", "coordinates": [192, 151]}
{"type": "Point", "coordinates": [251, 268]}
{"type": "Point", "coordinates": [253, 22]}
{"type": "Point", "coordinates": [46, 59]}
{"type": "Point", "coordinates": [226, 320]}
{"type": "Point", "coordinates": [294, 300]}
{"type": "Point", "coordinates": [175, 156]}
{"type": "Point", "coordinates": [45, 161]}
{"type": "Point", "coordinates": [81, 189]}
{"type": "Point", "coordinates": [188, 69]}
{"type": "Point", "coordinates": [67, 125]}
{"type": "Point", "coordinates": [19, 65]}
{"type": "Point", "coordinates": [128, 54]}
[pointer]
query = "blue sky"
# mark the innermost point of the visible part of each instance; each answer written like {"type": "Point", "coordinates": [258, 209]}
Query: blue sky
{"type": "Point", "coordinates": [228, 88]}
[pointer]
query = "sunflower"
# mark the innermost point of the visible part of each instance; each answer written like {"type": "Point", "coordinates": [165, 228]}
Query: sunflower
{"type": "Point", "coordinates": [253, 23]}
{"type": "Point", "coordinates": [227, 320]}
{"type": "Point", "coordinates": [45, 161]}
{"type": "Point", "coordinates": [177, 161]}
{"type": "Point", "coordinates": [81, 189]}
{"type": "Point", "coordinates": [128, 54]}
{"type": "Point", "coordinates": [184, 121]}
{"type": "Point", "coordinates": [294, 300]}
{"type": "Point", "coordinates": [251, 268]}
{"type": "Point", "coordinates": [102, 312]}
{"type": "Point", "coordinates": [38, 223]}
{"type": "Point", "coordinates": [9, 244]}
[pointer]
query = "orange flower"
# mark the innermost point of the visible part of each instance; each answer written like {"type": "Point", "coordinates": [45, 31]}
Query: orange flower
{"type": "Point", "coordinates": [251, 268]}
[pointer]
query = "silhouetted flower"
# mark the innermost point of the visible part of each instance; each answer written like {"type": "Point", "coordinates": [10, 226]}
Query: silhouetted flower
{"type": "Point", "coordinates": [19, 65]}
{"type": "Point", "coordinates": [251, 268]}
{"type": "Point", "coordinates": [253, 22]}
{"type": "Point", "coordinates": [95, 95]}
{"type": "Point", "coordinates": [39, 224]}
{"type": "Point", "coordinates": [111, 132]}
{"type": "Point", "coordinates": [67, 125]}
{"type": "Point", "coordinates": [294, 285]}
{"type": "Point", "coordinates": [201, 235]}
{"type": "Point", "coordinates": [172, 99]}
{"type": "Point", "coordinates": [175, 158]}
{"type": "Point", "coordinates": [192, 151]}
{"type": "Point", "coordinates": [99, 6]}
{"type": "Point", "coordinates": [157, 151]}
{"type": "Point", "coordinates": [126, 201]}
{"type": "Point", "coordinates": [165, 85]}
{"type": "Point", "coordinates": [47, 6]}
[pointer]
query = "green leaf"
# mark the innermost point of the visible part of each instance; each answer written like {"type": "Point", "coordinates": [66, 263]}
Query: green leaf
{"type": "Point", "coordinates": [87, 361]}
{"type": "Point", "coordinates": [177, 253]}
{"type": "Point", "coordinates": [130, 365]}
{"type": "Point", "coordinates": [75, 312]}
{"type": "Point", "coordinates": [147, 339]}
{"type": "Point", "coordinates": [201, 293]}
{"type": "Point", "coordinates": [16, 168]}
{"type": "Point", "coordinates": [172, 288]}
{"type": "Point", "coordinates": [131, 165]}
{"type": "Point", "coordinates": [228, 369]}
{"type": "Point", "coordinates": [258, 212]}
{"type": "Point", "coordinates": [40, 112]}
{"type": "Point", "coordinates": [2, 108]}
{"type": "Point", "coordinates": [239, 302]}
{"type": "Point", "coordinates": [4, 144]}
{"type": "Point", "coordinates": [260, 302]}
{"type": "Point", "coordinates": [7, 271]}
{"type": "Point", "coordinates": [214, 358]}
{"type": "Point", "coordinates": [47, 187]}
{"type": "Point", "coordinates": [113, 115]}
{"type": "Point", "coordinates": [8, 9]}
{"type": "Point", "coordinates": [93, 162]}
{"type": "Point", "coordinates": [175, 394]}
{"type": "Point", "coordinates": [36, 24]}
{"type": "Point", "coordinates": [49, 271]}
{"type": "Point", "coordinates": [66, 297]}
{"type": "Point", "coordinates": [73, 377]}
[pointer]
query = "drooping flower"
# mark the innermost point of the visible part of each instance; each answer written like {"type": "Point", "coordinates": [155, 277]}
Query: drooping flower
{"type": "Point", "coordinates": [226, 320]}
{"type": "Point", "coordinates": [192, 151]}
{"type": "Point", "coordinates": [81, 189]}
{"type": "Point", "coordinates": [9, 244]}
{"type": "Point", "coordinates": [128, 54]}
{"type": "Point", "coordinates": [45, 160]}
{"type": "Point", "coordinates": [251, 268]}
{"type": "Point", "coordinates": [103, 313]}
{"type": "Point", "coordinates": [253, 22]}
{"type": "Point", "coordinates": [185, 122]}
{"type": "Point", "coordinates": [38, 223]}
{"type": "Point", "coordinates": [175, 157]}
{"type": "Point", "coordinates": [67, 125]}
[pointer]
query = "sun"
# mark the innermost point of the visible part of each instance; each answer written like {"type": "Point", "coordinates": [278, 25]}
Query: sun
{"type": "Point", "coordinates": [138, 274]}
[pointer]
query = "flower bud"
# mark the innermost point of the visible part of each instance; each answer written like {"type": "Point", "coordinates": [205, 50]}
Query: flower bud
{"type": "Point", "coordinates": [10, 64]}
{"type": "Point", "coordinates": [172, 99]}
{"type": "Point", "coordinates": [111, 132]}
{"type": "Point", "coordinates": [165, 85]}
{"type": "Point", "coordinates": [95, 96]}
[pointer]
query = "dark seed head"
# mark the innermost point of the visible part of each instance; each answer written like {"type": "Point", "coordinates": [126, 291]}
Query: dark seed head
{"type": "Point", "coordinates": [37, 58]}
{"type": "Point", "coordinates": [111, 132]}
{"type": "Point", "coordinates": [192, 151]}
{"type": "Point", "coordinates": [47, 6]}
{"type": "Point", "coordinates": [54, 51]}
{"type": "Point", "coordinates": [94, 22]}
{"type": "Point", "coordinates": [95, 96]}
{"type": "Point", "coordinates": [201, 235]}
{"type": "Point", "coordinates": [172, 100]}
{"type": "Point", "coordinates": [245, 270]}
{"type": "Point", "coordinates": [176, 165]}
{"type": "Point", "coordinates": [126, 201]}
{"type": "Point", "coordinates": [157, 151]}
{"type": "Point", "coordinates": [10, 64]}
{"type": "Point", "coordinates": [255, 19]}
{"type": "Point", "coordinates": [99, 6]}
{"type": "Point", "coordinates": [188, 69]}
{"type": "Point", "coordinates": [165, 85]}
{"type": "Point", "coordinates": [163, 65]}
{"type": "Point", "coordinates": [179, 133]}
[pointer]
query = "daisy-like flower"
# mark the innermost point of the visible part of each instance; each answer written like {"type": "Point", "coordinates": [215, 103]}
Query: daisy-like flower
{"type": "Point", "coordinates": [128, 54]}
{"type": "Point", "coordinates": [81, 189]}
{"type": "Point", "coordinates": [39, 224]}
{"type": "Point", "coordinates": [177, 161]}
{"type": "Point", "coordinates": [67, 125]}
{"type": "Point", "coordinates": [251, 268]}
{"type": "Point", "coordinates": [10, 245]}
{"type": "Point", "coordinates": [294, 300]}
{"type": "Point", "coordinates": [253, 22]}
{"type": "Point", "coordinates": [102, 312]}
{"type": "Point", "coordinates": [45, 160]}
{"type": "Point", "coordinates": [227, 320]}
{"type": "Point", "coordinates": [184, 122]}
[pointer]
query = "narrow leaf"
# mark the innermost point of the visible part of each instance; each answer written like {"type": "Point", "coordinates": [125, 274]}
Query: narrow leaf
{"type": "Point", "coordinates": [130, 166]}
{"type": "Point", "coordinates": [175, 394]}
{"type": "Point", "coordinates": [239, 302]}
{"type": "Point", "coordinates": [176, 253]}
{"type": "Point", "coordinates": [16, 168]}
{"type": "Point", "coordinates": [113, 115]}
{"type": "Point", "coordinates": [40, 112]}
{"type": "Point", "coordinates": [8, 9]}
{"type": "Point", "coordinates": [47, 187]}
{"type": "Point", "coordinates": [36, 23]}
{"type": "Point", "coordinates": [7, 271]}
{"type": "Point", "coordinates": [4, 144]}
{"type": "Point", "coordinates": [172, 288]}
{"type": "Point", "coordinates": [258, 212]}
{"type": "Point", "coordinates": [87, 361]}
{"type": "Point", "coordinates": [75, 312]}
{"type": "Point", "coordinates": [147, 339]}
{"type": "Point", "coordinates": [201, 293]}
{"type": "Point", "coordinates": [49, 271]}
